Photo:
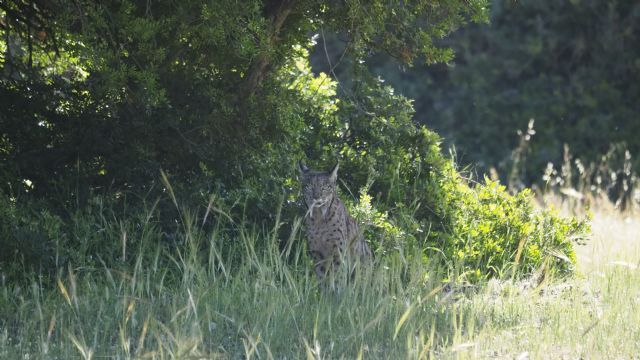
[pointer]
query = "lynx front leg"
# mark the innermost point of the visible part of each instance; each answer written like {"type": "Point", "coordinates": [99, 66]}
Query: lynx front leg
{"type": "Point", "coordinates": [320, 264]}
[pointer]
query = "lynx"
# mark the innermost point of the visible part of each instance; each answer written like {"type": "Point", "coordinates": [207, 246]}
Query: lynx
{"type": "Point", "coordinates": [332, 234]}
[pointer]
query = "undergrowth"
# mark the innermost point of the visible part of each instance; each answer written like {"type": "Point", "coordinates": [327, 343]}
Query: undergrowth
{"type": "Point", "coordinates": [259, 298]}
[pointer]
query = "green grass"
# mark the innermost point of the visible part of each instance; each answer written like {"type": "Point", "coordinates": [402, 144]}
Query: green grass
{"type": "Point", "coordinates": [242, 302]}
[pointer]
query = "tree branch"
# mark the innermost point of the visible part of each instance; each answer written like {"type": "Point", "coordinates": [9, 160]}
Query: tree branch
{"type": "Point", "coordinates": [277, 11]}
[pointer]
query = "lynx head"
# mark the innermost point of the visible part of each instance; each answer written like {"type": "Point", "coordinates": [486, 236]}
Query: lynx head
{"type": "Point", "coordinates": [318, 188]}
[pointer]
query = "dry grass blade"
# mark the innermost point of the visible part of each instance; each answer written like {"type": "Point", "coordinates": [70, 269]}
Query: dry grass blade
{"type": "Point", "coordinates": [590, 327]}
{"type": "Point", "coordinates": [143, 335]}
{"type": "Point", "coordinates": [402, 320]}
{"type": "Point", "coordinates": [52, 326]}
{"type": "Point", "coordinates": [64, 291]}
{"type": "Point", "coordinates": [86, 352]}
{"type": "Point", "coordinates": [168, 187]}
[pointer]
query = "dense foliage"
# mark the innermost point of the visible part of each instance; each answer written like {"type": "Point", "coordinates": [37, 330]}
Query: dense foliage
{"type": "Point", "coordinates": [98, 98]}
{"type": "Point", "coordinates": [573, 66]}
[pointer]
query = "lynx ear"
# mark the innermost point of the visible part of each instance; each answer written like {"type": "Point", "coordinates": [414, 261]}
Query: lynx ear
{"type": "Point", "coordinates": [302, 168]}
{"type": "Point", "coordinates": [334, 173]}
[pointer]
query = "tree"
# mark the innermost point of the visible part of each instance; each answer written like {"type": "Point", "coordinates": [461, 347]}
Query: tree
{"type": "Point", "coordinates": [220, 95]}
{"type": "Point", "coordinates": [139, 85]}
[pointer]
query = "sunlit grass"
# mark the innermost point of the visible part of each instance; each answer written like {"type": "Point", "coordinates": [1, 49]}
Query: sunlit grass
{"type": "Point", "coordinates": [247, 301]}
{"type": "Point", "coordinates": [596, 314]}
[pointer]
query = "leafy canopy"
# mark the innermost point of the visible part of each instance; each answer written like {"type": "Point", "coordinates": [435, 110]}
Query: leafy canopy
{"type": "Point", "coordinates": [99, 97]}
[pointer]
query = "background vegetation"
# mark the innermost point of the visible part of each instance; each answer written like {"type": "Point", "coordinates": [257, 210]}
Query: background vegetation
{"type": "Point", "coordinates": [98, 99]}
{"type": "Point", "coordinates": [147, 170]}
{"type": "Point", "coordinates": [572, 66]}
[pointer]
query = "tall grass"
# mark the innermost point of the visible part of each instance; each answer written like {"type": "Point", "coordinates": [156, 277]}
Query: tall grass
{"type": "Point", "coordinates": [205, 300]}
{"type": "Point", "coordinates": [239, 300]}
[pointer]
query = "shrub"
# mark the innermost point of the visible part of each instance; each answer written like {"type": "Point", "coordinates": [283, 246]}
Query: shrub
{"type": "Point", "coordinates": [30, 237]}
{"type": "Point", "coordinates": [496, 234]}
{"type": "Point", "coordinates": [422, 204]}
{"type": "Point", "coordinates": [422, 201]}
{"type": "Point", "coordinates": [222, 99]}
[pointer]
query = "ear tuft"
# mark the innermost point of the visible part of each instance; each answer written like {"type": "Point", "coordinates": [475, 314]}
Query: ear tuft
{"type": "Point", "coordinates": [334, 172]}
{"type": "Point", "coordinates": [302, 168]}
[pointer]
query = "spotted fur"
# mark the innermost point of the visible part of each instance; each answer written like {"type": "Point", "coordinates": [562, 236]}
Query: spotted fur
{"type": "Point", "coordinates": [332, 234]}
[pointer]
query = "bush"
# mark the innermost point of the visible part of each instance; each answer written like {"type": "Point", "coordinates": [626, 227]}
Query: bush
{"type": "Point", "coordinates": [496, 234]}
{"type": "Point", "coordinates": [220, 98]}
{"type": "Point", "coordinates": [31, 236]}
{"type": "Point", "coordinates": [422, 203]}
{"type": "Point", "coordinates": [40, 238]}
